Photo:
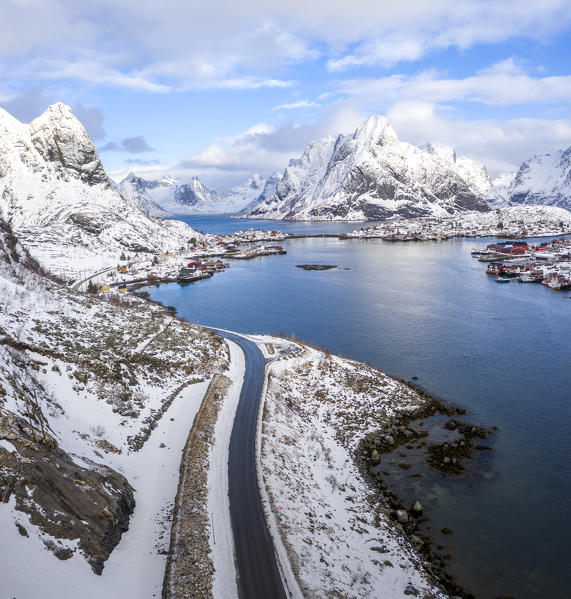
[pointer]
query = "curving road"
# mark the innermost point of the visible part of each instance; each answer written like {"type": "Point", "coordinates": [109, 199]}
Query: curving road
{"type": "Point", "coordinates": [257, 569]}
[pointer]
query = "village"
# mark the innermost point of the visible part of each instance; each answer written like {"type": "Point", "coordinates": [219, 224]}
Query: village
{"type": "Point", "coordinates": [200, 260]}
{"type": "Point", "coordinates": [548, 263]}
{"type": "Point", "coordinates": [511, 223]}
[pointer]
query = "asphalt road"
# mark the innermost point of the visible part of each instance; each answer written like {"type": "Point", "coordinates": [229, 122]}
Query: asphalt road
{"type": "Point", "coordinates": [257, 568]}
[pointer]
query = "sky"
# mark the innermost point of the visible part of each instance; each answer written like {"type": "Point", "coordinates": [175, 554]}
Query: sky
{"type": "Point", "coordinates": [221, 90]}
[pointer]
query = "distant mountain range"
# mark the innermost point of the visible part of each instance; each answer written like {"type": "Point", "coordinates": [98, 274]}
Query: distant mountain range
{"type": "Point", "coordinates": [54, 190]}
{"type": "Point", "coordinates": [171, 197]}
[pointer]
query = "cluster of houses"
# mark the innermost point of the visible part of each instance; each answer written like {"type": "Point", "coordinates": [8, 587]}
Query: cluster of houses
{"type": "Point", "coordinates": [199, 261]}
{"type": "Point", "coordinates": [548, 263]}
{"type": "Point", "coordinates": [257, 251]}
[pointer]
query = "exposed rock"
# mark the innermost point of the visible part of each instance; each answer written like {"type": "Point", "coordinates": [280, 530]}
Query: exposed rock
{"type": "Point", "coordinates": [316, 266]}
{"type": "Point", "coordinates": [63, 499]}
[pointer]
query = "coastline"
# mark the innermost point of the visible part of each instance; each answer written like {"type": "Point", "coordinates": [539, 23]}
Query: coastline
{"type": "Point", "coordinates": [392, 504]}
{"type": "Point", "coordinates": [451, 460]}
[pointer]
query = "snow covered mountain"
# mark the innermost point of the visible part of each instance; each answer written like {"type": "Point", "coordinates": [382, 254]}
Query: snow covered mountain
{"type": "Point", "coordinates": [269, 188]}
{"type": "Point", "coordinates": [55, 194]}
{"type": "Point", "coordinates": [372, 175]}
{"type": "Point", "coordinates": [473, 173]}
{"type": "Point", "coordinates": [135, 190]}
{"type": "Point", "coordinates": [242, 195]}
{"type": "Point", "coordinates": [170, 196]}
{"type": "Point", "coordinates": [501, 185]}
{"type": "Point", "coordinates": [543, 179]}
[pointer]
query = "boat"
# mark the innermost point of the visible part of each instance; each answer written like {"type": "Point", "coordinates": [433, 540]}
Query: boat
{"type": "Point", "coordinates": [501, 280]}
{"type": "Point", "coordinates": [559, 283]}
{"type": "Point", "coordinates": [528, 278]}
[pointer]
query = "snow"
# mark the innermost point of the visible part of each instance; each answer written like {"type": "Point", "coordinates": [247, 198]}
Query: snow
{"type": "Point", "coordinates": [135, 568]}
{"type": "Point", "coordinates": [173, 196]}
{"type": "Point", "coordinates": [56, 195]}
{"type": "Point", "coordinates": [222, 543]}
{"type": "Point", "coordinates": [237, 198]}
{"type": "Point", "coordinates": [372, 175]}
{"type": "Point", "coordinates": [74, 332]}
{"type": "Point", "coordinates": [338, 543]}
{"type": "Point", "coordinates": [544, 179]}
{"type": "Point", "coordinates": [518, 221]}
{"type": "Point", "coordinates": [7, 445]}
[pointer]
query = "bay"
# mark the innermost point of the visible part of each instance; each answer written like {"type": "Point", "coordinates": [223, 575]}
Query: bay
{"type": "Point", "coordinates": [428, 310]}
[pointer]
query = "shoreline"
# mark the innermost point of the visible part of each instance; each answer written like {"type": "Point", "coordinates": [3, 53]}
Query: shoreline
{"type": "Point", "coordinates": [391, 501]}
{"type": "Point", "coordinates": [396, 432]}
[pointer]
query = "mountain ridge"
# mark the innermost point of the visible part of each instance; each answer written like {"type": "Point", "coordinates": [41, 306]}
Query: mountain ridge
{"type": "Point", "coordinates": [370, 175]}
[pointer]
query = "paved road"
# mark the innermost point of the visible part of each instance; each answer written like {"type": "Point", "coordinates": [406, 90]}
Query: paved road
{"type": "Point", "coordinates": [81, 282]}
{"type": "Point", "coordinates": [258, 571]}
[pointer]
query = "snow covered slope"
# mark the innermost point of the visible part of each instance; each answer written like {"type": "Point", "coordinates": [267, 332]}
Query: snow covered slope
{"type": "Point", "coordinates": [543, 179]}
{"type": "Point", "coordinates": [136, 190]}
{"type": "Point", "coordinates": [473, 173]}
{"type": "Point", "coordinates": [339, 539]}
{"type": "Point", "coordinates": [85, 387]}
{"type": "Point", "coordinates": [242, 195]}
{"type": "Point", "coordinates": [501, 185]}
{"type": "Point", "coordinates": [372, 175]}
{"type": "Point", "coordinates": [57, 197]}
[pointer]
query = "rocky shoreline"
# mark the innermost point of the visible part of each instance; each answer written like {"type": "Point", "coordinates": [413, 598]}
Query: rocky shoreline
{"type": "Point", "coordinates": [448, 458]}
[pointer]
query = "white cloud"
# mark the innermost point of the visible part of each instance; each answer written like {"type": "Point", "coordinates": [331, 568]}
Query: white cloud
{"type": "Point", "coordinates": [168, 45]}
{"type": "Point", "coordinates": [500, 145]}
{"type": "Point", "coordinates": [503, 84]}
{"type": "Point", "coordinates": [264, 148]}
{"type": "Point", "coordinates": [94, 72]}
{"type": "Point", "coordinates": [412, 28]}
{"type": "Point", "coordinates": [296, 105]}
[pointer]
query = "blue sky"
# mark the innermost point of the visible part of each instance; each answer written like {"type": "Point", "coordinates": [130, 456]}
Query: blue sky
{"type": "Point", "coordinates": [228, 89]}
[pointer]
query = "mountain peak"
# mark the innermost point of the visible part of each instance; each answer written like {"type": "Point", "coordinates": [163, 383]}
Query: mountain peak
{"type": "Point", "coordinates": [376, 129]}
{"type": "Point", "coordinates": [62, 141]}
{"type": "Point", "coordinates": [370, 176]}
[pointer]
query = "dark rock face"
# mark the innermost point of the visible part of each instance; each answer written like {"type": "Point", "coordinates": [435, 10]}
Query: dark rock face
{"type": "Point", "coordinates": [13, 253]}
{"type": "Point", "coordinates": [65, 500]}
{"type": "Point", "coordinates": [61, 140]}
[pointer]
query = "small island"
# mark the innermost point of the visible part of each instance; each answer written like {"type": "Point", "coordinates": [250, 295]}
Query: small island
{"type": "Point", "coordinates": [316, 266]}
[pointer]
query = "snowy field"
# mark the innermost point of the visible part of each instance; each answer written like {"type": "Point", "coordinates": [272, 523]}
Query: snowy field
{"type": "Point", "coordinates": [339, 541]}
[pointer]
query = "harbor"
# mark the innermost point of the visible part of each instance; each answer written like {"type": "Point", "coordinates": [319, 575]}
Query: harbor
{"type": "Point", "coordinates": [548, 263]}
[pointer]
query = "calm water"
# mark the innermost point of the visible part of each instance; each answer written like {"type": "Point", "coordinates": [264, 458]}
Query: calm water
{"type": "Point", "coordinates": [222, 224]}
{"type": "Point", "coordinates": [427, 310]}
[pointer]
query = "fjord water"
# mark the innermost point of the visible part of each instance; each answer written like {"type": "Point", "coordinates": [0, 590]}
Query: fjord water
{"type": "Point", "coordinates": [428, 310]}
